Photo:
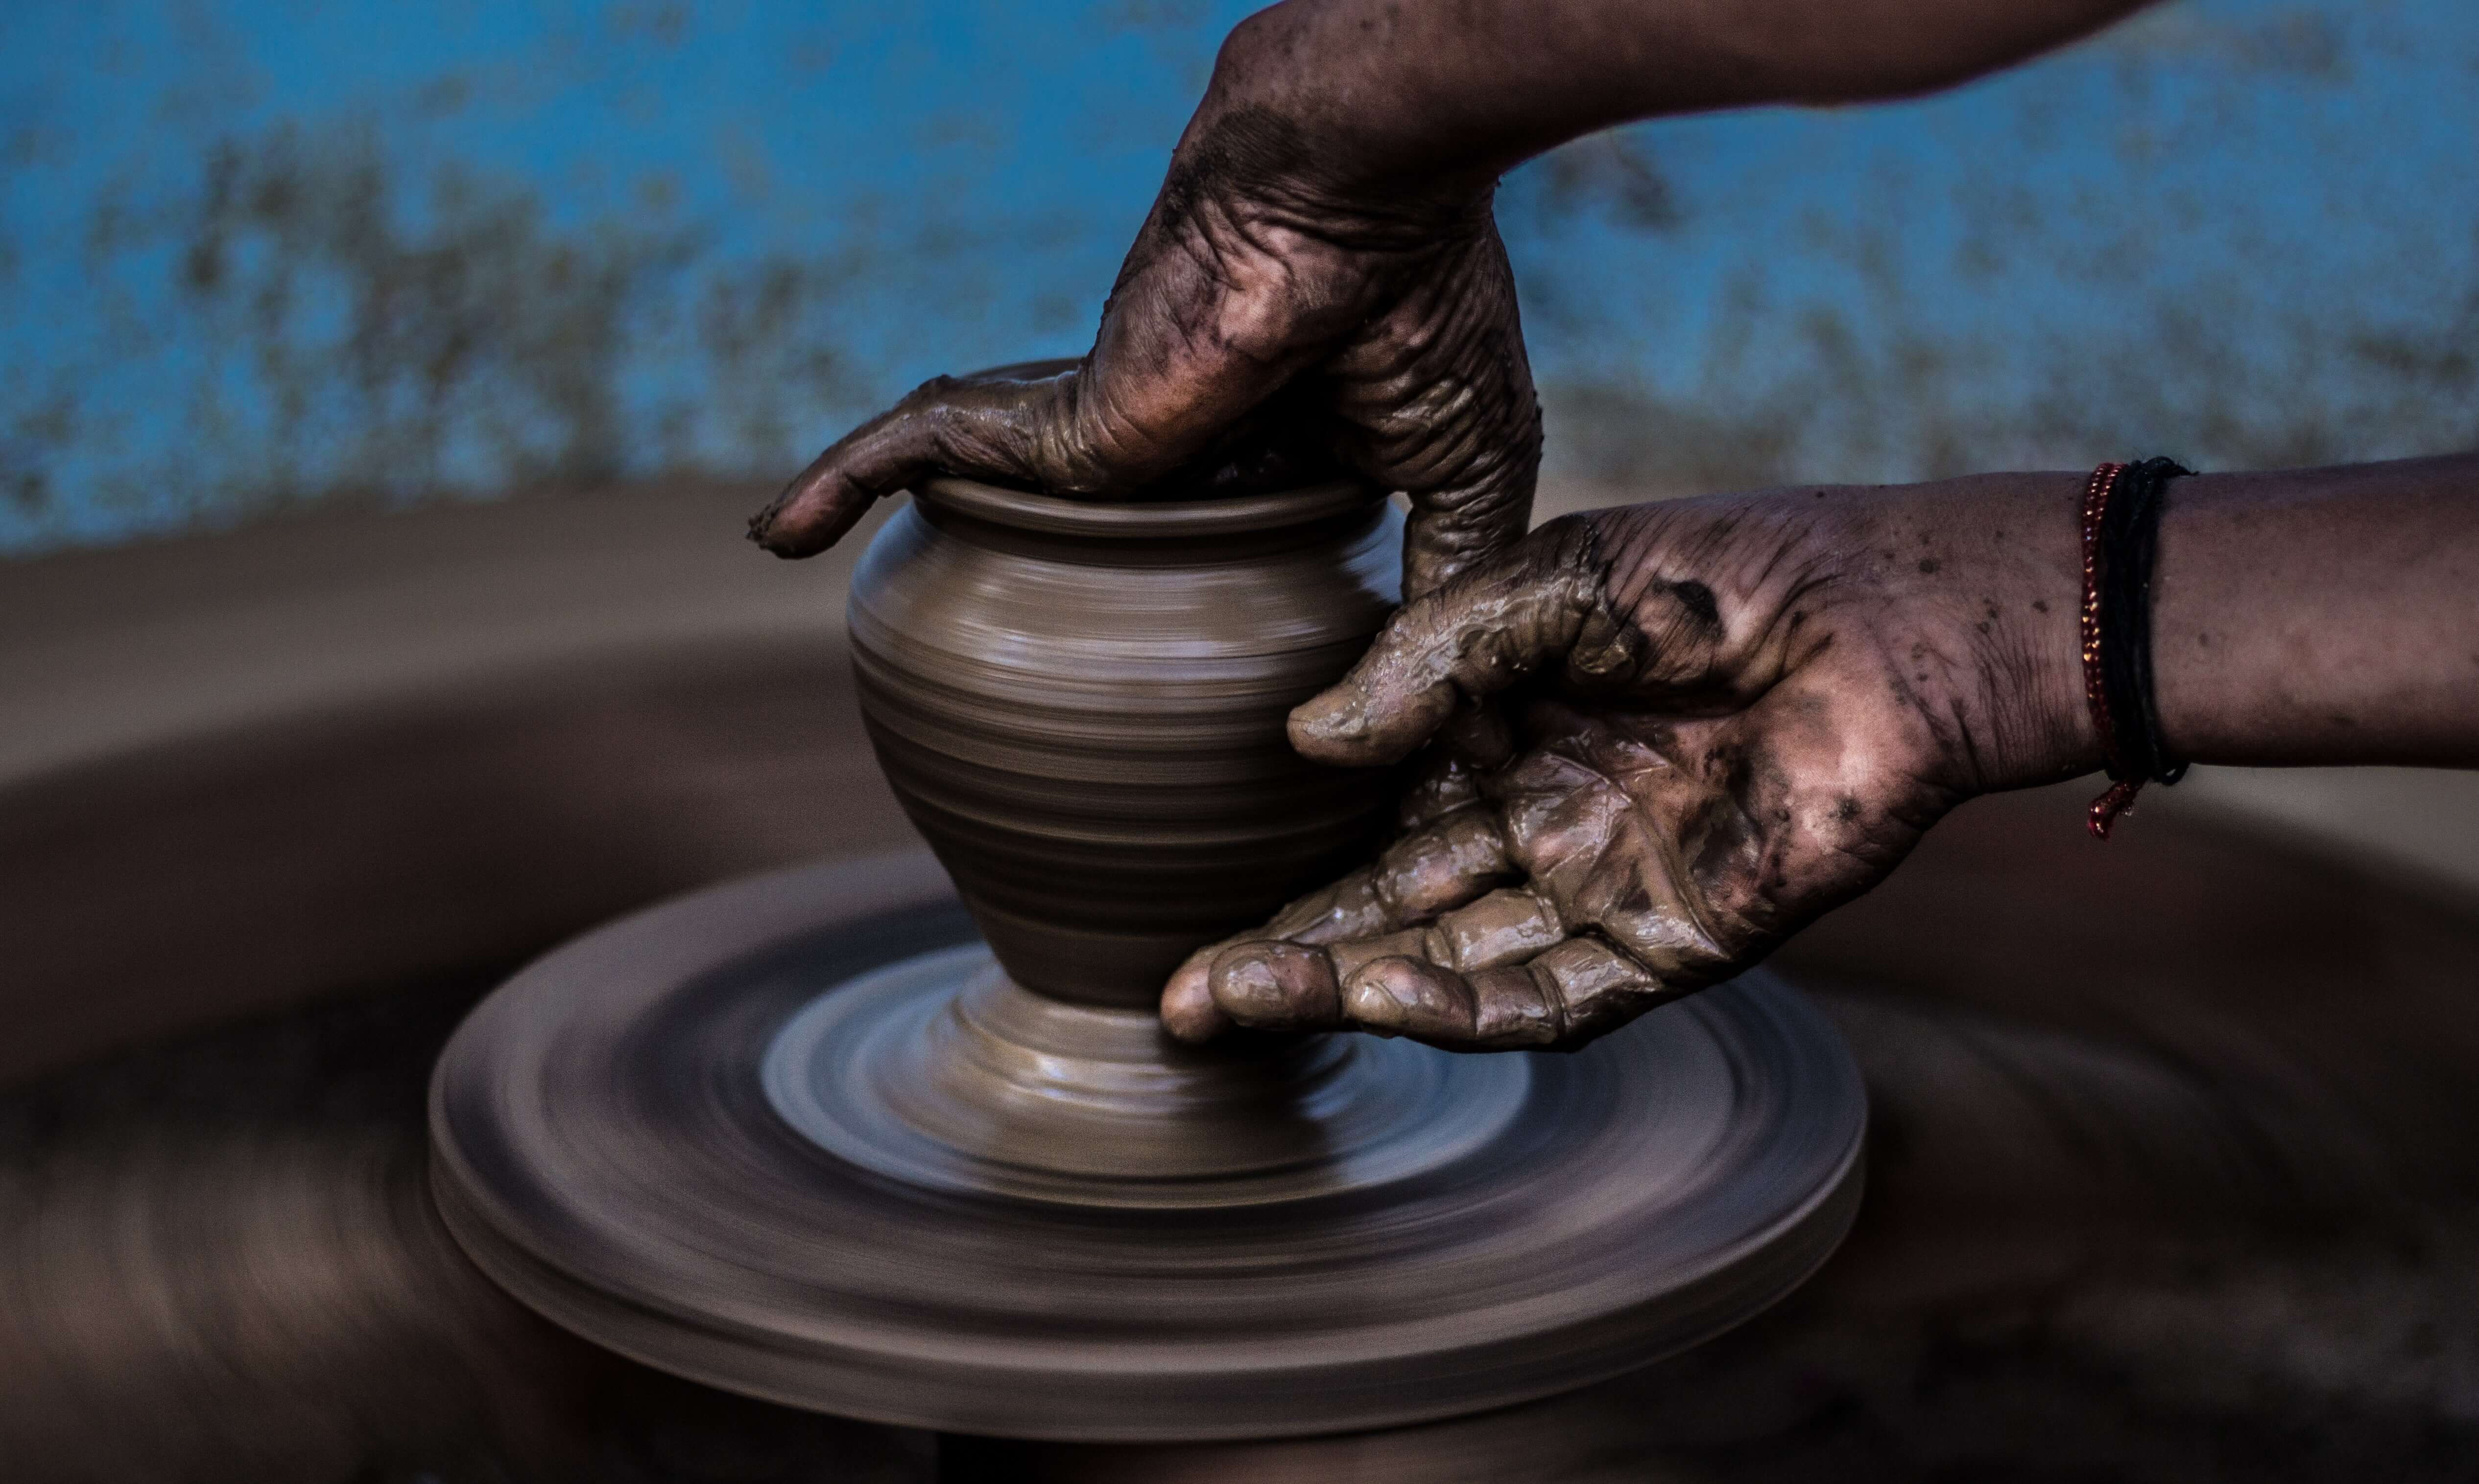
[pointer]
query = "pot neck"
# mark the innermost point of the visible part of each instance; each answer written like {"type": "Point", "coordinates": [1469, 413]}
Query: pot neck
{"type": "Point", "coordinates": [1148, 534]}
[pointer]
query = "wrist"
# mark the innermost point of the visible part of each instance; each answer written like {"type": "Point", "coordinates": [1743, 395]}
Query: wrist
{"type": "Point", "coordinates": [1283, 121]}
{"type": "Point", "coordinates": [1994, 563]}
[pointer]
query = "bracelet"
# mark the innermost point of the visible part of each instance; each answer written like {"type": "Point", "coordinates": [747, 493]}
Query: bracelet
{"type": "Point", "coordinates": [2122, 507]}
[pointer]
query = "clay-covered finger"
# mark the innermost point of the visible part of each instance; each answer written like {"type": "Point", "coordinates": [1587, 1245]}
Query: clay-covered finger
{"type": "Point", "coordinates": [1431, 870]}
{"type": "Point", "coordinates": [1187, 1008]}
{"type": "Point", "coordinates": [1572, 993]}
{"type": "Point", "coordinates": [1506, 927]}
{"type": "Point", "coordinates": [1596, 986]}
{"type": "Point", "coordinates": [1502, 928]}
{"type": "Point", "coordinates": [830, 496]}
{"type": "Point", "coordinates": [1453, 983]}
{"type": "Point", "coordinates": [1544, 603]}
{"type": "Point", "coordinates": [1277, 987]}
{"type": "Point", "coordinates": [1004, 425]}
{"type": "Point", "coordinates": [1441, 867]}
{"type": "Point", "coordinates": [1494, 1009]}
{"type": "Point", "coordinates": [1290, 987]}
{"type": "Point", "coordinates": [1349, 909]}
{"type": "Point", "coordinates": [1444, 864]}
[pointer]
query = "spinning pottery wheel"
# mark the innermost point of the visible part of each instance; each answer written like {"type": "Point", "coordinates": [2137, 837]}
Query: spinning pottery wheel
{"type": "Point", "coordinates": [850, 1138]}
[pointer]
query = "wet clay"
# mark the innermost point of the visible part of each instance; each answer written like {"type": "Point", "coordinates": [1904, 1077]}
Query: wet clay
{"type": "Point", "coordinates": [911, 1146]}
{"type": "Point", "coordinates": [1081, 706]}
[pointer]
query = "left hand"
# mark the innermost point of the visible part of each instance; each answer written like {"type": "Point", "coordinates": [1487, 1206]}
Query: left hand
{"type": "Point", "coordinates": [1269, 324]}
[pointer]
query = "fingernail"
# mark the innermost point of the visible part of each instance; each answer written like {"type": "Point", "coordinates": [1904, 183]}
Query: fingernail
{"type": "Point", "coordinates": [1187, 1008]}
{"type": "Point", "coordinates": [1340, 715]}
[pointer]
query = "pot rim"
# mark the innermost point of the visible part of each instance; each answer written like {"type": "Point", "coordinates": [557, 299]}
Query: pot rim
{"type": "Point", "coordinates": [1147, 519]}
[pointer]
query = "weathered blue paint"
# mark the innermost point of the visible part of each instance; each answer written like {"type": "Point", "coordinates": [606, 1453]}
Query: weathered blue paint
{"type": "Point", "coordinates": [257, 253]}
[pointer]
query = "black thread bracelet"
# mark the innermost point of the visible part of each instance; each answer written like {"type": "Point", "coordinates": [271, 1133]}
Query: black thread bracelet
{"type": "Point", "coordinates": [2122, 517]}
{"type": "Point", "coordinates": [2129, 541]}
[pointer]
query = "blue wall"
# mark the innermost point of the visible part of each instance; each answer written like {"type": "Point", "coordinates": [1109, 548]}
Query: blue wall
{"type": "Point", "coordinates": [257, 253]}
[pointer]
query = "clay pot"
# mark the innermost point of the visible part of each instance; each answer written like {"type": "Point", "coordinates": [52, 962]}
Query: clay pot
{"type": "Point", "coordinates": [1081, 706]}
{"type": "Point", "coordinates": [799, 1136]}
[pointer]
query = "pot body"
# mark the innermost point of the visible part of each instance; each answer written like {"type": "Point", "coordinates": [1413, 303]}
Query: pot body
{"type": "Point", "coordinates": [1081, 706]}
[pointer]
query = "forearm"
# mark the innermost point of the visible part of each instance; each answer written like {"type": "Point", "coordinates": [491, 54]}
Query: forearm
{"type": "Point", "coordinates": [2321, 615]}
{"type": "Point", "coordinates": [1388, 89]}
{"type": "Point", "coordinates": [2316, 616]}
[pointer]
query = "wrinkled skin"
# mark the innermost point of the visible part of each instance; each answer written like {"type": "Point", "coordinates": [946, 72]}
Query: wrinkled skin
{"type": "Point", "coordinates": [1667, 737]}
{"type": "Point", "coordinates": [1319, 268]}
{"type": "Point", "coordinates": [1705, 724]}
{"type": "Point", "coordinates": [1321, 258]}
{"type": "Point", "coordinates": [1660, 739]}
{"type": "Point", "coordinates": [1261, 327]}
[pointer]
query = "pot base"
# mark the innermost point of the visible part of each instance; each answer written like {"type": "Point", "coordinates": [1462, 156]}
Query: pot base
{"type": "Point", "coordinates": [798, 1137]}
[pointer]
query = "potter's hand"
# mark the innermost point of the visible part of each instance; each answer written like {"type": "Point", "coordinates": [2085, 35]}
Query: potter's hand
{"type": "Point", "coordinates": [1723, 718]}
{"type": "Point", "coordinates": [1321, 256]}
{"type": "Point", "coordinates": [1371, 328]}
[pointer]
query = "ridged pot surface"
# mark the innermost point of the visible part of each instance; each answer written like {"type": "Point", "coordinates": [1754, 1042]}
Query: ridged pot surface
{"type": "Point", "coordinates": [1081, 706]}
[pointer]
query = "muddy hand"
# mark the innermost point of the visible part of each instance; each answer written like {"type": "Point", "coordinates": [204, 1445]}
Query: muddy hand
{"type": "Point", "coordinates": [1381, 330]}
{"type": "Point", "coordinates": [1726, 716]}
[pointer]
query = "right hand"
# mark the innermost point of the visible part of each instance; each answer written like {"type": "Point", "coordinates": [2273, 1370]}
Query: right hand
{"type": "Point", "coordinates": [1727, 716]}
{"type": "Point", "coordinates": [1371, 329]}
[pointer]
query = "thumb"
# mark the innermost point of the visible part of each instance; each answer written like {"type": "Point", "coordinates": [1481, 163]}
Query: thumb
{"type": "Point", "coordinates": [990, 425]}
{"type": "Point", "coordinates": [1543, 603]}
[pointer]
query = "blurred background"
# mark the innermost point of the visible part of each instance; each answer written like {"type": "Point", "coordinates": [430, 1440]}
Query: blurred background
{"type": "Point", "coordinates": [382, 388]}
{"type": "Point", "coordinates": [262, 254]}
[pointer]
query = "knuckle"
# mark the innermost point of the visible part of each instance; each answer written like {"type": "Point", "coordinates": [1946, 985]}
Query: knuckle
{"type": "Point", "coordinates": [1505, 927]}
{"type": "Point", "coordinates": [1511, 1010]}
{"type": "Point", "coordinates": [1594, 989]}
{"type": "Point", "coordinates": [1275, 984]}
{"type": "Point", "coordinates": [1351, 959]}
{"type": "Point", "coordinates": [932, 392]}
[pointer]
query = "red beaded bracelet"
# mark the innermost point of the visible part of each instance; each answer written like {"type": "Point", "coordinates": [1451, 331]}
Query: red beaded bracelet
{"type": "Point", "coordinates": [2118, 550]}
{"type": "Point", "coordinates": [2121, 793]}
